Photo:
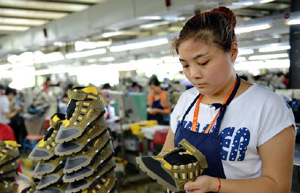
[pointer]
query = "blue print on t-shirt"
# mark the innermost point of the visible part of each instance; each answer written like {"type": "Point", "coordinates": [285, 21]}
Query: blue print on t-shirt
{"type": "Point", "coordinates": [239, 141]}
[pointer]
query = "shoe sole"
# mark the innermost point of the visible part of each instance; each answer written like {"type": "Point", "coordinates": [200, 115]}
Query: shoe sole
{"type": "Point", "coordinates": [46, 168]}
{"type": "Point", "coordinates": [76, 135]}
{"type": "Point", "coordinates": [89, 170]}
{"type": "Point", "coordinates": [79, 161]}
{"type": "Point", "coordinates": [155, 176]}
{"type": "Point", "coordinates": [86, 183]}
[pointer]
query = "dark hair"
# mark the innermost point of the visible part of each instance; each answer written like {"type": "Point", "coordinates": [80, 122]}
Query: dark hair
{"type": "Point", "coordinates": [215, 26]}
{"type": "Point", "coordinates": [154, 81]}
{"type": "Point", "coordinates": [9, 90]}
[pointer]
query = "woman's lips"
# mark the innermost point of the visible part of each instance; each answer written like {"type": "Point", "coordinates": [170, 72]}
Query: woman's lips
{"type": "Point", "coordinates": [200, 85]}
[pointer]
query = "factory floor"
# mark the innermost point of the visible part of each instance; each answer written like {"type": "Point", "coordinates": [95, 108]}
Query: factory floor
{"type": "Point", "coordinates": [132, 183]}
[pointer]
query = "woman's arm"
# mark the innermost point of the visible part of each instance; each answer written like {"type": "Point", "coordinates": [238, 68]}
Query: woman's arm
{"type": "Point", "coordinates": [277, 164]}
{"type": "Point", "coordinates": [169, 143]}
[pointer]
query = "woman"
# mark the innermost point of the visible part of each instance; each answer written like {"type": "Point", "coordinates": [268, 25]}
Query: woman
{"type": "Point", "coordinates": [246, 132]}
{"type": "Point", "coordinates": [157, 99]}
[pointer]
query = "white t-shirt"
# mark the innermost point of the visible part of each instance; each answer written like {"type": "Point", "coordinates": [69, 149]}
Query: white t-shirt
{"type": "Point", "coordinates": [4, 108]}
{"type": "Point", "coordinates": [250, 120]}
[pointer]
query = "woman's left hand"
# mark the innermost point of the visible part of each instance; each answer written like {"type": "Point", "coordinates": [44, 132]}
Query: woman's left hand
{"type": "Point", "coordinates": [201, 184]}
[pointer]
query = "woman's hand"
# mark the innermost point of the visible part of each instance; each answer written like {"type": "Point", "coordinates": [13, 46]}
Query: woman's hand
{"type": "Point", "coordinates": [202, 184]}
{"type": "Point", "coordinates": [154, 111]}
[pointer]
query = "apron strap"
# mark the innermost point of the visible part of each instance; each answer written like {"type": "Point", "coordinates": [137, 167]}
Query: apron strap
{"type": "Point", "coordinates": [189, 109]}
{"type": "Point", "coordinates": [223, 107]}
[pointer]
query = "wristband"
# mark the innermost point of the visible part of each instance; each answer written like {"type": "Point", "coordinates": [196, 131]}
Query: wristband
{"type": "Point", "coordinates": [219, 185]}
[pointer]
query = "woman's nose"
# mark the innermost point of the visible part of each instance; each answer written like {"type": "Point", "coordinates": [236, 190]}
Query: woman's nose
{"type": "Point", "coordinates": [195, 72]}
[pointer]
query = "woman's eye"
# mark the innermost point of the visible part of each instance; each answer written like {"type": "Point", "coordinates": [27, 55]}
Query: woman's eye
{"type": "Point", "coordinates": [185, 66]}
{"type": "Point", "coordinates": [203, 64]}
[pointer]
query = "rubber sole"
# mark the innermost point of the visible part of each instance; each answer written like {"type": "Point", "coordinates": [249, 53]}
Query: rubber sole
{"type": "Point", "coordinates": [155, 176]}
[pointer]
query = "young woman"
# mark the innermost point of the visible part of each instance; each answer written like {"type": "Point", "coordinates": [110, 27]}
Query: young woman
{"type": "Point", "coordinates": [159, 108]}
{"type": "Point", "coordinates": [246, 132]}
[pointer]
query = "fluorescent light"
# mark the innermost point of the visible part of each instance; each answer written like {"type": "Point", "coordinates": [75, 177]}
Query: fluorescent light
{"type": "Point", "coordinates": [45, 58]}
{"type": "Point", "coordinates": [293, 21]}
{"type": "Point", "coordinates": [240, 59]}
{"type": "Point", "coordinates": [245, 52]}
{"type": "Point", "coordinates": [154, 24]}
{"type": "Point", "coordinates": [20, 21]}
{"type": "Point", "coordinates": [86, 53]}
{"type": "Point", "coordinates": [274, 48]}
{"type": "Point", "coordinates": [82, 45]}
{"type": "Point", "coordinates": [13, 28]}
{"type": "Point", "coordinates": [138, 45]}
{"type": "Point", "coordinates": [107, 59]}
{"type": "Point", "coordinates": [251, 28]}
{"type": "Point", "coordinates": [31, 14]}
{"type": "Point", "coordinates": [269, 56]}
{"type": "Point", "coordinates": [150, 17]}
{"type": "Point", "coordinates": [117, 33]}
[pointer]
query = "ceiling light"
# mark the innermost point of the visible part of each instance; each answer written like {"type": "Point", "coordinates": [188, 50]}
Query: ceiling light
{"type": "Point", "coordinates": [150, 17]}
{"type": "Point", "coordinates": [86, 53]}
{"type": "Point", "coordinates": [251, 28]}
{"type": "Point", "coordinates": [107, 59]}
{"type": "Point", "coordinates": [274, 48]}
{"type": "Point", "coordinates": [13, 28]}
{"type": "Point", "coordinates": [138, 45]}
{"type": "Point", "coordinates": [293, 21]}
{"type": "Point", "coordinates": [245, 52]}
{"type": "Point", "coordinates": [82, 45]}
{"type": "Point", "coordinates": [31, 13]}
{"type": "Point", "coordinates": [269, 56]}
{"type": "Point", "coordinates": [19, 21]}
{"type": "Point", "coordinates": [240, 59]}
{"type": "Point", "coordinates": [46, 58]}
{"type": "Point", "coordinates": [154, 24]}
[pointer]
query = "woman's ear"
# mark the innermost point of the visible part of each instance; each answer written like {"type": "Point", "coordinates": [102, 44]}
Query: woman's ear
{"type": "Point", "coordinates": [234, 51]}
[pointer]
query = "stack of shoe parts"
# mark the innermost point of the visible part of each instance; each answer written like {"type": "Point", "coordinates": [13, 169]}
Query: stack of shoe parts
{"type": "Point", "coordinates": [9, 154]}
{"type": "Point", "coordinates": [176, 167]}
{"type": "Point", "coordinates": [76, 154]}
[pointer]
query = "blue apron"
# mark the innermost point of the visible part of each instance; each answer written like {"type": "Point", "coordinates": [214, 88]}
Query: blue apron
{"type": "Point", "coordinates": [207, 143]}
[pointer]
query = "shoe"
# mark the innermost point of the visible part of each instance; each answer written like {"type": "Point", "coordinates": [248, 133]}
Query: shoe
{"type": "Point", "coordinates": [10, 174]}
{"type": "Point", "coordinates": [45, 148]}
{"type": "Point", "coordinates": [105, 184]}
{"type": "Point", "coordinates": [85, 139]}
{"type": "Point", "coordinates": [9, 151]}
{"type": "Point", "coordinates": [7, 185]}
{"type": "Point", "coordinates": [48, 166]}
{"type": "Point", "coordinates": [33, 183]}
{"type": "Point", "coordinates": [55, 188]}
{"type": "Point", "coordinates": [9, 167]}
{"type": "Point", "coordinates": [100, 160]}
{"type": "Point", "coordinates": [89, 182]}
{"type": "Point", "coordinates": [176, 167]}
{"type": "Point", "coordinates": [84, 108]}
{"type": "Point", "coordinates": [83, 158]}
{"type": "Point", "coordinates": [50, 179]}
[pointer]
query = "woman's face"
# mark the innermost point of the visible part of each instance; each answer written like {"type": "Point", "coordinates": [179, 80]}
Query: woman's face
{"type": "Point", "coordinates": [155, 89]}
{"type": "Point", "coordinates": [206, 66]}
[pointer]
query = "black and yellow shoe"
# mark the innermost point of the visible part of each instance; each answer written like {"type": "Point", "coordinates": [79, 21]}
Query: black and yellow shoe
{"type": "Point", "coordinates": [9, 152]}
{"type": "Point", "coordinates": [87, 137]}
{"type": "Point", "coordinates": [33, 183]}
{"type": "Point", "coordinates": [48, 166]}
{"type": "Point", "coordinates": [100, 160]}
{"type": "Point", "coordinates": [84, 109]}
{"type": "Point", "coordinates": [105, 184]}
{"type": "Point", "coordinates": [8, 186]}
{"type": "Point", "coordinates": [55, 188]}
{"type": "Point", "coordinates": [45, 149]}
{"type": "Point", "coordinates": [90, 181]}
{"type": "Point", "coordinates": [50, 179]}
{"type": "Point", "coordinates": [176, 167]}
{"type": "Point", "coordinates": [9, 167]}
{"type": "Point", "coordinates": [83, 158]}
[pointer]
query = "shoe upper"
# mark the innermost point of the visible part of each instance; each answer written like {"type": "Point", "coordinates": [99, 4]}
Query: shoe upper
{"type": "Point", "coordinates": [45, 148]}
{"type": "Point", "coordinates": [84, 108]}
